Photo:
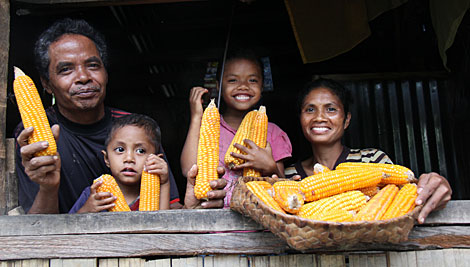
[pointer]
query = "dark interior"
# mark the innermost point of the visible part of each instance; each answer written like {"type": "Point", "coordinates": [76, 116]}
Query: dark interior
{"type": "Point", "coordinates": [159, 51]}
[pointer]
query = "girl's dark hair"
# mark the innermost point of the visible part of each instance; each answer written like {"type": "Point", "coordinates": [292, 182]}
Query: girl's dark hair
{"type": "Point", "coordinates": [335, 87]}
{"type": "Point", "coordinates": [149, 125]}
{"type": "Point", "coordinates": [57, 30]}
{"type": "Point", "coordinates": [248, 54]}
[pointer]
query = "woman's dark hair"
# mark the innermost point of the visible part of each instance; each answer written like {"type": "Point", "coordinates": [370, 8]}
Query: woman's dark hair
{"type": "Point", "coordinates": [335, 87]}
{"type": "Point", "coordinates": [149, 125]}
{"type": "Point", "coordinates": [57, 30]}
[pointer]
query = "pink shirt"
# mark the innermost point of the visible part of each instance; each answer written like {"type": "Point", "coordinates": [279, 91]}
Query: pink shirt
{"type": "Point", "coordinates": [277, 138]}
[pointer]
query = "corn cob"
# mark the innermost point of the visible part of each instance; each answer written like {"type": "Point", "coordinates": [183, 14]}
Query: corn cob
{"type": "Point", "coordinates": [378, 205]}
{"type": "Point", "coordinates": [369, 191]}
{"type": "Point", "coordinates": [332, 215]}
{"type": "Point", "coordinates": [403, 202]}
{"type": "Point", "coordinates": [149, 192]}
{"type": "Point", "coordinates": [335, 182]}
{"type": "Point", "coordinates": [207, 151]}
{"type": "Point", "coordinates": [241, 134]}
{"type": "Point", "coordinates": [110, 185]}
{"type": "Point", "coordinates": [318, 168]}
{"type": "Point", "coordinates": [259, 191]}
{"type": "Point", "coordinates": [394, 174]}
{"type": "Point", "coordinates": [288, 195]}
{"type": "Point", "coordinates": [266, 185]}
{"type": "Point", "coordinates": [258, 134]}
{"type": "Point", "coordinates": [32, 112]}
{"type": "Point", "coordinates": [348, 201]}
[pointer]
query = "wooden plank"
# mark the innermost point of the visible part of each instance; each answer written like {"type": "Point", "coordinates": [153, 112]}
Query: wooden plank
{"type": "Point", "coordinates": [456, 212]}
{"type": "Point", "coordinates": [394, 115]}
{"type": "Point", "coordinates": [165, 221]}
{"type": "Point", "coordinates": [131, 262]}
{"type": "Point", "coordinates": [230, 260]}
{"type": "Point", "coordinates": [4, 50]}
{"type": "Point", "coordinates": [108, 262]}
{"type": "Point", "coordinates": [399, 259]}
{"type": "Point", "coordinates": [422, 126]}
{"type": "Point", "coordinates": [73, 263]}
{"type": "Point", "coordinates": [463, 257]}
{"type": "Point", "coordinates": [331, 260]}
{"type": "Point", "coordinates": [366, 260]}
{"type": "Point", "coordinates": [408, 110]}
{"type": "Point", "coordinates": [430, 258]}
{"type": "Point", "coordinates": [30, 263]}
{"type": "Point", "coordinates": [11, 180]}
{"type": "Point", "coordinates": [159, 263]}
{"type": "Point", "coordinates": [260, 261]}
{"type": "Point", "coordinates": [436, 116]}
{"type": "Point", "coordinates": [124, 245]}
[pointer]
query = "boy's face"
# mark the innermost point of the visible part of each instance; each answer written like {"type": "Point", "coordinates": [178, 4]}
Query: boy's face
{"type": "Point", "coordinates": [126, 154]}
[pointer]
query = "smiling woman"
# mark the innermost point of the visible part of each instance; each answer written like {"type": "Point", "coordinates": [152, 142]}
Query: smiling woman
{"type": "Point", "coordinates": [324, 116]}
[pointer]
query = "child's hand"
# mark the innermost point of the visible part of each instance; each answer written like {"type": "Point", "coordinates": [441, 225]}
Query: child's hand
{"type": "Point", "coordinates": [157, 165]}
{"type": "Point", "coordinates": [195, 101]}
{"type": "Point", "coordinates": [260, 159]}
{"type": "Point", "coordinates": [98, 201]}
{"type": "Point", "coordinates": [216, 195]}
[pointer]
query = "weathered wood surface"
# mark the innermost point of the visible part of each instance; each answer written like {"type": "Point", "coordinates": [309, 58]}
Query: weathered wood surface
{"type": "Point", "coordinates": [172, 221]}
{"type": "Point", "coordinates": [190, 232]}
{"type": "Point", "coordinates": [11, 181]}
{"type": "Point", "coordinates": [4, 48]}
{"type": "Point", "coordinates": [434, 258]}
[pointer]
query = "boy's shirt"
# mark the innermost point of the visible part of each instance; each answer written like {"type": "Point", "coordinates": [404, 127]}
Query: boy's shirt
{"type": "Point", "coordinates": [80, 148]}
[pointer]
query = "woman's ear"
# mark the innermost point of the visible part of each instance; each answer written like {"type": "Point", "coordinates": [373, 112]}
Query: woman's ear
{"type": "Point", "coordinates": [347, 120]}
{"type": "Point", "coordinates": [106, 160]}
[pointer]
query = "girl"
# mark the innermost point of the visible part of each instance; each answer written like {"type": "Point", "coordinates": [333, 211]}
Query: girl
{"type": "Point", "coordinates": [242, 84]}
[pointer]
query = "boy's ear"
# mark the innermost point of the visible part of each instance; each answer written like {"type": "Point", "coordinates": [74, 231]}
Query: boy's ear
{"type": "Point", "coordinates": [106, 160]}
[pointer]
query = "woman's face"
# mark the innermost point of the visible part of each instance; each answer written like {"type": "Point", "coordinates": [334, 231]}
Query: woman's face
{"type": "Point", "coordinates": [322, 117]}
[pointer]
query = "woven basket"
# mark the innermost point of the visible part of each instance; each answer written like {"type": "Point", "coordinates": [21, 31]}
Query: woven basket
{"type": "Point", "coordinates": [304, 234]}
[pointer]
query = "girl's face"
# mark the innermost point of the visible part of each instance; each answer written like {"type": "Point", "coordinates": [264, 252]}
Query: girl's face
{"type": "Point", "coordinates": [242, 84]}
{"type": "Point", "coordinates": [126, 154]}
{"type": "Point", "coordinates": [322, 117]}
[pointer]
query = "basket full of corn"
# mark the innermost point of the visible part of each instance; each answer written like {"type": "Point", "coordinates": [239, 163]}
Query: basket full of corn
{"type": "Point", "coordinates": [356, 203]}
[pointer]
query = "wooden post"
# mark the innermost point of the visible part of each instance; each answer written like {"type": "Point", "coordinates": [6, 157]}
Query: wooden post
{"type": "Point", "coordinates": [4, 47]}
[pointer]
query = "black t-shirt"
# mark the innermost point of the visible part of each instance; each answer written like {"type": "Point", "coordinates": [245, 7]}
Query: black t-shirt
{"type": "Point", "coordinates": [80, 148]}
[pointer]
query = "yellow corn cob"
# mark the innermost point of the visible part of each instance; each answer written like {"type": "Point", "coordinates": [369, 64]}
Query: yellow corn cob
{"type": "Point", "coordinates": [242, 133]}
{"type": "Point", "coordinates": [258, 134]}
{"type": "Point", "coordinates": [334, 182]}
{"type": "Point", "coordinates": [259, 191]}
{"type": "Point", "coordinates": [288, 195]}
{"type": "Point", "coordinates": [348, 201]}
{"type": "Point", "coordinates": [264, 184]}
{"type": "Point", "coordinates": [149, 192]}
{"type": "Point", "coordinates": [207, 151]}
{"type": "Point", "coordinates": [32, 112]}
{"type": "Point", "coordinates": [332, 215]}
{"type": "Point", "coordinates": [403, 202]}
{"type": "Point", "coordinates": [394, 174]}
{"type": "Point", "coordinates": [318, 168]}
{"type": "Point", "coordinates": [110, 185]}
{"type": "Point", "coordinates": [370, 191]}
{"type": "Point", "coordinates": [378, 205]}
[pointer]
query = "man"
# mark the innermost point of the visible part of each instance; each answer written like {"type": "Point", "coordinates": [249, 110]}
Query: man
{"type": "Point", "coordinates": [71, 59]}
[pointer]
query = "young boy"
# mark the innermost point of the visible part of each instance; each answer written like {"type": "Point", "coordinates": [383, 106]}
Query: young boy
{"type": "Point", "coordinates": [130, 149]}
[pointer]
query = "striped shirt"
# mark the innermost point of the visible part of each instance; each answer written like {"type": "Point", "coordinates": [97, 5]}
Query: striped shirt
{"type": "Point", "coordinates": [367, 155]}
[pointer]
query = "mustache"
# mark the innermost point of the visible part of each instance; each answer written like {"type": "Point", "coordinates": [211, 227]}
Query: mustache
{"type": "Point", "coordinates": [84, 89]}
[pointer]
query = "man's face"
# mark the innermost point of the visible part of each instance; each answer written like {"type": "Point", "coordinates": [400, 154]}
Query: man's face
{"type": "Point", "coordinates": [77, 76]}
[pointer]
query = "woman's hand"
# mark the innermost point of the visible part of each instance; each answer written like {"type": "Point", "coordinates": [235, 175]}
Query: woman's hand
{"type": "Point", "coordinates": [216, 195]}
{"type": "Point", "coordinates": [434, 192]}
{"type": "Point", "coordinates": [155, 164]}
{"type": "Point", "coordinates": [97, 202]}
{"type": "Point", "coordinates": [255, 157]}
